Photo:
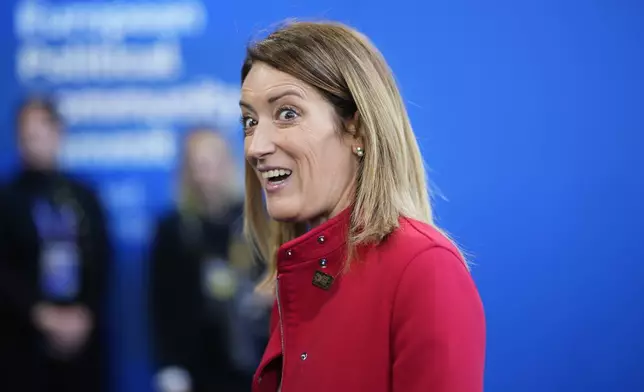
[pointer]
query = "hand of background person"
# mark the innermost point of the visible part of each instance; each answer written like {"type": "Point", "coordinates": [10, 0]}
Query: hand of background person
{"type": "Point", "coordinates": [65, 328]}
{"type": "Point", "coordinates": [173, 379]}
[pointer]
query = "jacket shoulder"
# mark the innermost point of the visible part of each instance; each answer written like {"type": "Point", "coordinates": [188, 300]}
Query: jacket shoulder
{"type": "Point", "coordinates": [418, 245]}
{"type": "Point", "coordinates": [437, 316]}
{"type": "Point", "coordinates": [413, 237]}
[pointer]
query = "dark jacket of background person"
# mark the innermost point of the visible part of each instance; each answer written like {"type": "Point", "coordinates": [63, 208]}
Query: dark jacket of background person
{"type": "Point", "coordinates": [201, 280]}
{"type": "Point", "coordinates": [54, 257]}
{"type": "Point", "coordinates": [26, 363]}
{"type": "Point", "coordinates": [208, 329]}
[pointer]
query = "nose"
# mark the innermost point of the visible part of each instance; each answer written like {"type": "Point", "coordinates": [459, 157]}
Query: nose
{"type": "Point", "coordinates": [260, 143]}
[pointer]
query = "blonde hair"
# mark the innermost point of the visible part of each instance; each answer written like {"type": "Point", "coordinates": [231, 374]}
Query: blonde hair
{"type": "Point", "coordinates": [190, 205]}
{"type": "Point", "coordinates": [188, 200]}
{"type": "Point", "coordinates": [350, 72]}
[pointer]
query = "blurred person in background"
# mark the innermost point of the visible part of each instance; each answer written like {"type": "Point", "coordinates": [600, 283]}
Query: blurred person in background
{"type": "Point", "coordinates": [209, 328]}
{"type": "Point", "coordinates": [54, 256]}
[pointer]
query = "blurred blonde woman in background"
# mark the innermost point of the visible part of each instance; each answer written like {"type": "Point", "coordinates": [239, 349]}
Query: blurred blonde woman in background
{"type": "Point", "coordinates": [370, 295]}
{"type": "Point", "coordinates": [206, 335]}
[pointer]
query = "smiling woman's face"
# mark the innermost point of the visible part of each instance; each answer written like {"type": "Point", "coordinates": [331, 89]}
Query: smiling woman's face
{"type": "Point", "coordinates": [293, 140]}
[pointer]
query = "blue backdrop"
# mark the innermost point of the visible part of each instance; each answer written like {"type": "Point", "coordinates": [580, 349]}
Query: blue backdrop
{"type": "Point", "coordinates": [530, 115]}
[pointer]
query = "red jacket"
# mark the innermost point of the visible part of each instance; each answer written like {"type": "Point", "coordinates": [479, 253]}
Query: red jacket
{"type": "Point", "coordinates": [407, 317]}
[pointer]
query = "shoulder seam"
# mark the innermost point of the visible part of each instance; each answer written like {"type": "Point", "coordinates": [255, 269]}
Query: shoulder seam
{"type": "Point", "coordinates": [414, 224]}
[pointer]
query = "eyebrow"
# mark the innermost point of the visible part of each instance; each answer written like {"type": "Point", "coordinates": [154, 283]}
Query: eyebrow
{"type": "Point", "coordinates": [274, 98]}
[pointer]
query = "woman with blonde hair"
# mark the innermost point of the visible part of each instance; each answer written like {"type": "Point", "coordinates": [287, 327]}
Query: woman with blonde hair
{"type": "Point", "coordinates": [369, 294]}
{"type": "Point", "coordinates": [205, 337]}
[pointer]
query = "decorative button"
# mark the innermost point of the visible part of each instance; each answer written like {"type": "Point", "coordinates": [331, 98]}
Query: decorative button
{"type": "Point", "coordinates": [289, 253]}
{"type": "Point", "coordinates": [321, 239]}
{"type": "Point", "coordinates": [304, 356]}
{"type": "Point", "coordinates": [323, 263]}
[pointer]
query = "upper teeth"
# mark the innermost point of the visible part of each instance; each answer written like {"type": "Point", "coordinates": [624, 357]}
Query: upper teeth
{"type": "Point", "coordinates": [275, 173]}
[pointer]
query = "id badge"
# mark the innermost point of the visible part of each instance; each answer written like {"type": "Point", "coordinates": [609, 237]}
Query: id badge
{"type": "Point", "coordinates": [218, 280]}
{"type": "Point", "coordinates": [60, 275]}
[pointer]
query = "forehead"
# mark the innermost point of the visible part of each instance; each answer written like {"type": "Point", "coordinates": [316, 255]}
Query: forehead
{"type": "Point", "coordinates": [35, 112]}
{"type": "Point", "coordinates": [263, 81]}
{"type": "Point", "coordinates": [206, 141]}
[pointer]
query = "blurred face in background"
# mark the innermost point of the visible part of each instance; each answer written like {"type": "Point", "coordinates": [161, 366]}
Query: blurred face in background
{"type": "Point", "coordinates": [39, 137]}
{"type": "Point", "coordinates": [208, 163]}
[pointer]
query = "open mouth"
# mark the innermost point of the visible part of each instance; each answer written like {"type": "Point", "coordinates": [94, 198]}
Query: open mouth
{"type": "Point", "coordinates": [276, 176]}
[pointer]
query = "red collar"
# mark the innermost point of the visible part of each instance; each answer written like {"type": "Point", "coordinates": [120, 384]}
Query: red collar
{"type": "Point", "coordinates": [321, 244]}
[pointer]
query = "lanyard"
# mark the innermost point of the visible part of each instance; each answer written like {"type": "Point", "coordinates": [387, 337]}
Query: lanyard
{"type": "Point", "coordinates": [54, 221]}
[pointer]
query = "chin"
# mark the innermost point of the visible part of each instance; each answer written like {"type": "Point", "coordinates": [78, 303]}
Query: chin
{"type": "Point", "coordinates": [282, 211]}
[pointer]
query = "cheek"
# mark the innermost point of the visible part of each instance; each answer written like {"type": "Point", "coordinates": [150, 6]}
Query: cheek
{"type": "Point", "coordinates": [247, 141]}
{"type": "Point", "coordinates": [310, 158]}
{"type": "Point", "coordinates": [309, 147]}
{"type": "Point", "coordinates": [247, 158]}
{"type": "Point", "coordinates": [39, 140]}
{"type": "Point", "coordinates": [310, 167]}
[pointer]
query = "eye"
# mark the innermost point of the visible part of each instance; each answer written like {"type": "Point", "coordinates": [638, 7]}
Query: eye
{"type": "Point", "coordinates": [247, 122]}
{"type": "Point", "coordinates": [287, 114]}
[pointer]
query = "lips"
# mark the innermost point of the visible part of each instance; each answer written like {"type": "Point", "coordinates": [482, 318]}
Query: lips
{"type": "Point", "coordinates": [274, 178]}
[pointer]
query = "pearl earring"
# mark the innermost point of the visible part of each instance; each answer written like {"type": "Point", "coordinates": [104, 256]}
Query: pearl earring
{"type": "Point", "coordinates": [359, 151]}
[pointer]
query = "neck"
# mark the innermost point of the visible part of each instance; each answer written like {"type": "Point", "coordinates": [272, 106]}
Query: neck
{"type": "Point", "coordinates": [341, 205]}
{"type": "Point", "coordinates": [43, 169]}
{"type": "Point", "coordinates": [213, 203]}
{"type": "Point", "coordinates": [35, 162]}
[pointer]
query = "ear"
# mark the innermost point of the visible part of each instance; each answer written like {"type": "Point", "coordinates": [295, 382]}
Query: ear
{"type": "Point", "coordinates": [354, 130]}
